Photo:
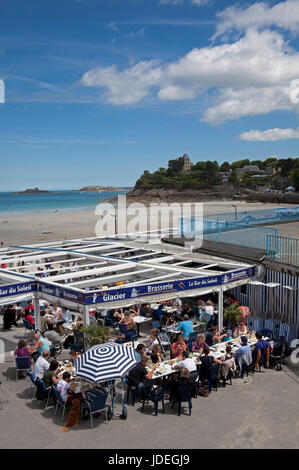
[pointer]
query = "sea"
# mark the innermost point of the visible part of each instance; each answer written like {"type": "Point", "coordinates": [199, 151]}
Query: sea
{"type": "Point", "coordinates": [61, 201]}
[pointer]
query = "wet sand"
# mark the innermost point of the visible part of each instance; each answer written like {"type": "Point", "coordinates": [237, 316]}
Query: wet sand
{"type": "Point", "coordinates": [35, 228]}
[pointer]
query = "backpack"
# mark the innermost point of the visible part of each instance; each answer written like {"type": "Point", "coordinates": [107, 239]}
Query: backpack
{"type": "Point", "coordinates": [203, 390]}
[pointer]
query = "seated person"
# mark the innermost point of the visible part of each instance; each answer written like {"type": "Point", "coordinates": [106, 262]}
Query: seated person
{"type": "Point", "coordinates": [199, 308]}
{"type": "Point", "coordinates": [157, 314]}
{"type": "Point", "coordinates": [186, 363]}
{"type": "Point", "coordinates": [152, 340]}
{"type": "Point", "coordinates": [52, 335]}
{"type": "Point", "coordinates": [226, 334]}
{"type": "Point", "coordinates": [178, 347]}
{"type": "Point", "coordinates": [177, 303]}
{"type": "Point", "coordinates": [77, 328]}
{"type": "Point", "coordinates": [210, 336]}
{"type": "Point", "coordinates": [157, 355]}
{"type": "Point", "coordinates": [40, 345]}
{"type": "Point", "coordinates": [187, 310]}
{"type": "Point", "coordinates": [186, 327]}
{"type": "Point", "coordinates": [140, 352]}
{"type": "Point", "coordinates": [66, 315]}
{"type": "Point", "coordinates": [206, 363]}
{"type": "Point", "coordinates": [127, 335]}
{"type": "Point", "coordinates": [49, 376]}
{"type": "Point", "coordinates": [140, 377]}
{"type": "Point", "coordinates": [22, 351]}
{"type": "Point", "coordinates": [209, 308]}
{"type": "Point", "coordinates": [127, 319]}
{"type": "Point", "coordinates": [66, 387]}
{"type": "Point", "coordinates": [43, 320]}
{"type": "Point", "coordinates": [56, 311]}
{"type": "Point", "coordinates": [261, 351]}
{"type": "Point", "coordinates": [241, 329]}
{"type": "Point", "coordinates": [183, 379]}
{"type": "Point", "coordinates": [41, 365]}
{"type": "Point", "coordinates": [73, 356]}
{"type": "Point", "coordinates": [244, 348]}
{"type": "Point", "coordinates": [198, 345]}
{"type": "Point", "coordinates": [29, 317]}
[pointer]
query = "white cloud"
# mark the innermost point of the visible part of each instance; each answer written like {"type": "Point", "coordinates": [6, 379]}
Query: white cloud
{"type": "Point", "coordinates": [270, 135]}
{"type": "Point", "coordinates": [283, 15]}
{"type": "Point", "coordinates": [180, 2]}
{"type": "Point", "coordinates": [126, 87]}
{"type": "Point", "coordinates": [133, 35]}
{"type": "Point", "coordinates": [251, 76]}
{"type": "Point", "coordinates": [112, 26]}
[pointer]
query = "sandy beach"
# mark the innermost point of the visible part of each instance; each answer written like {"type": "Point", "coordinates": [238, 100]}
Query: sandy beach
{"type": "Point", "coordinates": [35, 228]}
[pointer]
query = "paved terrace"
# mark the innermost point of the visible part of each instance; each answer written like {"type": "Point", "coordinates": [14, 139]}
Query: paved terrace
{"type": "Point", "coordinates": [259, 412]}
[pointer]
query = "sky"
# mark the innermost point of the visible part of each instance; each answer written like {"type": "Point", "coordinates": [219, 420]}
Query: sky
{"type": "Point", "coordinates": [97, 91]}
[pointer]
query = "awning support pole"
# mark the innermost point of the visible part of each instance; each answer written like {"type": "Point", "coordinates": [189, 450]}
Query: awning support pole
{"type": "Point", "coordinates": [220, 308]}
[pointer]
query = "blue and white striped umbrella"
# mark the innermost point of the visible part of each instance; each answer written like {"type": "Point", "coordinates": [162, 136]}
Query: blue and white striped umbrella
{"type": "Point", "coordinates": [105, 362]}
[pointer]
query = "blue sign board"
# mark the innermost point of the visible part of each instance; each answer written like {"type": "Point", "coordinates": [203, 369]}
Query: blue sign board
{"type": "Point", "coordinates": [115, 295]}
{"type": "Point", "coordinates": [17, 289]}
{"type": "Point", "coordinates": [61, 292]}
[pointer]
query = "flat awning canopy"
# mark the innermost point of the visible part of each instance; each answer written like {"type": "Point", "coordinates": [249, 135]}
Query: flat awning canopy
{"type": "Point", "coordinates": [110, 272]}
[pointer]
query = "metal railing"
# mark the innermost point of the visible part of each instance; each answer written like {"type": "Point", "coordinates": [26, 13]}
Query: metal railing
{"type": "Point", "coordinates": [283, 249]}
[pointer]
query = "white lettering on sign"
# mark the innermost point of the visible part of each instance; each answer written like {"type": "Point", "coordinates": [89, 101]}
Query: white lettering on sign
{"type": "Point", "coordinates": [109, 297]}
{"type": "Point", "coordinates": [159, 288]}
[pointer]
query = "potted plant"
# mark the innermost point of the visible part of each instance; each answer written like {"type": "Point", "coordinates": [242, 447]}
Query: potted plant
{"type": "Point", "coordinates": [232, 315]}
{"type": "Point", "coordinates": [96, 334]}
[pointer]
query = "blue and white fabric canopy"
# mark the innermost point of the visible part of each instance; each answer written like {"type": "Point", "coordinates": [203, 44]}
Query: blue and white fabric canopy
{"type": "Point", "coordinates": [105, 362]}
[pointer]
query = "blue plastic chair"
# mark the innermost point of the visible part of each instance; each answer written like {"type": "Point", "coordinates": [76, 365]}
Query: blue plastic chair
{"type": "Point", "coordinates": [32, 378]}
{"type": "Point", "coordinates": [42, 393]}
{"type": "Point", "coordinates": [22, 364]}
{"type": "Point", "coordinates": [28, 326]}
{"type": "Point", "coordinates": [184, 396]}
{"type": "Point", "coordinates": [155, 396]}
{"type": "Point", "coordinates": [98, 404]}
{"type": "Point", "coordinates": [59, 402]}
{"type": "Point", "coordinates": [156, 324]}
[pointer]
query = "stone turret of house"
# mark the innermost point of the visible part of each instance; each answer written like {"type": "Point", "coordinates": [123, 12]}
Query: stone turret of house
{"type": "Point", "coordinates": [187, 163]}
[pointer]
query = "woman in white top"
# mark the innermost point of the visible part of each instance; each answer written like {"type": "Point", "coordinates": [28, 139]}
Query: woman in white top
{"type": "Point", "coordinates": [209, 308]}
{"type": "Point", "coordinates": [241, 329]}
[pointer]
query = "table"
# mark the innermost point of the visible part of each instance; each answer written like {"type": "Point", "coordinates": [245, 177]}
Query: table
{"type": "Point", "coordinates": [139, 320]}
{"type": "Point", "coordinates": [218, 350]}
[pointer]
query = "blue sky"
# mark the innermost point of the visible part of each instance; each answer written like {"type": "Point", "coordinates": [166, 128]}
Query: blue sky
{"type": "Point", "coordinates": [97, 91]}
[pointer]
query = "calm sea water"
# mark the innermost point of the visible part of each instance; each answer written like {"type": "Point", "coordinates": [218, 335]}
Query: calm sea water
{"type": "Point", "coordinates": [14, 204]}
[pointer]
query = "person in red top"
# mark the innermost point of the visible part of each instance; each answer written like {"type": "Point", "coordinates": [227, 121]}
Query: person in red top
{"type": "Point", "coordinates": [29, 306]}
{"type": "Point", "coordinates": [28, 316]}
{"type": "Point", "coordinates": [178, 347]}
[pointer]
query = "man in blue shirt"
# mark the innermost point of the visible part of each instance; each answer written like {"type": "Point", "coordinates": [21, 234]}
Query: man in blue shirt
{"type": "Point", "coordinates": [261, 351]}
{"type": "Point", "coordinates": [186, 327]}
{"type": "Point", "coordinates": [157, 314]}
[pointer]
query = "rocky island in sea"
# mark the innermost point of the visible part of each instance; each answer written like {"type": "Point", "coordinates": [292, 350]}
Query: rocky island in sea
{"type": "Point", "coordinates": [32, 191]}
{"type": "Point", "coordinates": [94, 189]}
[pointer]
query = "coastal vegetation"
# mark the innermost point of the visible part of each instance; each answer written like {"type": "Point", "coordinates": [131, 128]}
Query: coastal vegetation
{"type": "Point", "coordinates": [273, 173]}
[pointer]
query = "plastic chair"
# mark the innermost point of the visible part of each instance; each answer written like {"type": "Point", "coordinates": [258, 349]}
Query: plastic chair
{"type": "Point", "coordinates": [59, 402]}
{"type": "Point", "coordinates": [268, 333]}
{"type": "Point", "coordinates": [32, 378]}
{"type": "Point", "coordinates": [98, 404]}
{"type": "Point", "coordinates": [42, 393]}
{"type": "Point", "coordinates": [213, 377]}
{"type": "Point", "coordinates": [22, 364]}
{"type": "Point", "coordinates": [244, 361]}
{"type": "Point", "coordinates": [184, 396]}
{"type": "Point", "coordinates": [164, 341]}
{"type": "Point", "coordinates": [131, 387]}
{"type": "Point", "coordinates": [155, 396]}
{"type": "Point", "coordinates": [27, 326]}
